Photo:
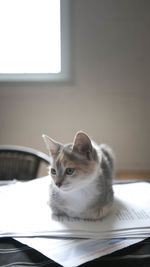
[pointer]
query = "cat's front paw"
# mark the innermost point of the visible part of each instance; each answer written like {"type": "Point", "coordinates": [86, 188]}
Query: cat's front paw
{"type": "Point", "coordinates": [97, 214]}
{"type": "Point", "coordinates": [102, 212]}
{"type": "Point", "coordinates": [60, 217]}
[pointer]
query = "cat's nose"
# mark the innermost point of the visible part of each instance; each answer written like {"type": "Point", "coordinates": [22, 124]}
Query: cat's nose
{"type": "Point", "coordinates": [58, 184]}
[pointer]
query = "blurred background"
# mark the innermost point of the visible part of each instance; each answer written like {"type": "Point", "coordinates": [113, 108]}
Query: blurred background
{"type": "Point", "coordinates": [108, 94]}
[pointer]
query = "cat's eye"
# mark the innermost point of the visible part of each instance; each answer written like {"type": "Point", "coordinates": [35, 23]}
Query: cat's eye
{"type": "Point", "coordinates": [70, 171]}
{"type": "Point", "coordinates": [53, 171]}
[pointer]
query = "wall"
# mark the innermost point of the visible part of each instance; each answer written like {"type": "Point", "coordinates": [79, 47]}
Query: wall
{"type": "Point", "coordinates": [108, 96]}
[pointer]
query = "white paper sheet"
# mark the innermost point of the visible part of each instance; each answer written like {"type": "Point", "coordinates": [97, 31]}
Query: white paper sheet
{"type": "Point", "coordinates": [74, 252]}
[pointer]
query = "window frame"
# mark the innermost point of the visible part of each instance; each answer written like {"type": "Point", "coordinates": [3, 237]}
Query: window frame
{"type": "Point", "coordinates": [64, 75]}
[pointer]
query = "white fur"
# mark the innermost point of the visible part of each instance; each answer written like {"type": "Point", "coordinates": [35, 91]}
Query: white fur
{"type": "Point", "coordinates": [78, 196]}
{"type": "Point", "coordinates": [78, 200]}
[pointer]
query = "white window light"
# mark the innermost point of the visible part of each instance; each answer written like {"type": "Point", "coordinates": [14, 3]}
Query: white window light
{"type": "Point", "coordinates": [31, 39]}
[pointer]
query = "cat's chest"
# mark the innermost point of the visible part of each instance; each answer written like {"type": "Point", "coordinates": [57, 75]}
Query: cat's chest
{"type": "Point", "coordinates": [79, 200]}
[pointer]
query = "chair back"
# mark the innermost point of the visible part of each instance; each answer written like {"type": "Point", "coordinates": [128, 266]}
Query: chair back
{"type": "Point", "coordinates": [21, 163]}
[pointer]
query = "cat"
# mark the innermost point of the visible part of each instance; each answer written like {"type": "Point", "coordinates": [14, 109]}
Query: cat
{"type": "Point", "coordinates": [81, 178]}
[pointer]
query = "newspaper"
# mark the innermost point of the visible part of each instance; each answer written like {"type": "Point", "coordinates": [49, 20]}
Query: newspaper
{"type": "Point", "coordinates": [26, 216]}
{"type": "Point", "coordinates": [25, 212]}
{"type": "Point", "coordinates": [74, 252]}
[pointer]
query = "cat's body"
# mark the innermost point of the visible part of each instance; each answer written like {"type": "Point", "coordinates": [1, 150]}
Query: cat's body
{"type": "Point", "coordinates": [81, 178]}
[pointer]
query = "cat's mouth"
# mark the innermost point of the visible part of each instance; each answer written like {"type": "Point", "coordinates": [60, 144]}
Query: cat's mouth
{"type": "Point", "coordinates": [64, 187]}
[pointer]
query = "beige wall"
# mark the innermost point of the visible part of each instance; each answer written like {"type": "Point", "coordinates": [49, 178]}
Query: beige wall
{"type": "Point", "coordinates": [109, 94]}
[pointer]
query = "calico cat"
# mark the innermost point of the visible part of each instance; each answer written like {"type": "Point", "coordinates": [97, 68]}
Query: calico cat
{"type": "Point", "coordinates": [81, 178]}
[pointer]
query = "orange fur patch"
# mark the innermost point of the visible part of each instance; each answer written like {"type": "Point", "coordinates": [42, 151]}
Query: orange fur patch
{"type": "Point", "coordinates": [83, 167]}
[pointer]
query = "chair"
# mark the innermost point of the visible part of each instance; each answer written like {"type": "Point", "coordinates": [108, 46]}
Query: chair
{"type": "Point", "coordinates": [21, 163]}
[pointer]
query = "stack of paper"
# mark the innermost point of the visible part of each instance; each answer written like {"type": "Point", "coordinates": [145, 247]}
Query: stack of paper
{"type": "Point", "coordinates": [25, 213]}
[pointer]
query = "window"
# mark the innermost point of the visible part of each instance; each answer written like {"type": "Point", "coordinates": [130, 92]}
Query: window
{"type": "Point", "coordinates": [31, 33]}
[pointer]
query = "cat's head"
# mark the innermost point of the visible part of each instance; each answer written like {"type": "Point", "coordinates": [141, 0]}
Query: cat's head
{"type": "Point", "coordinates": [73, 165]}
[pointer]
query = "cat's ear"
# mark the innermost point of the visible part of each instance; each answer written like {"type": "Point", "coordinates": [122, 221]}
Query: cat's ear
{"type": "Point", "coordinates": [52, 145]}
{"type": "Point", "coordinates": [82, 144]}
